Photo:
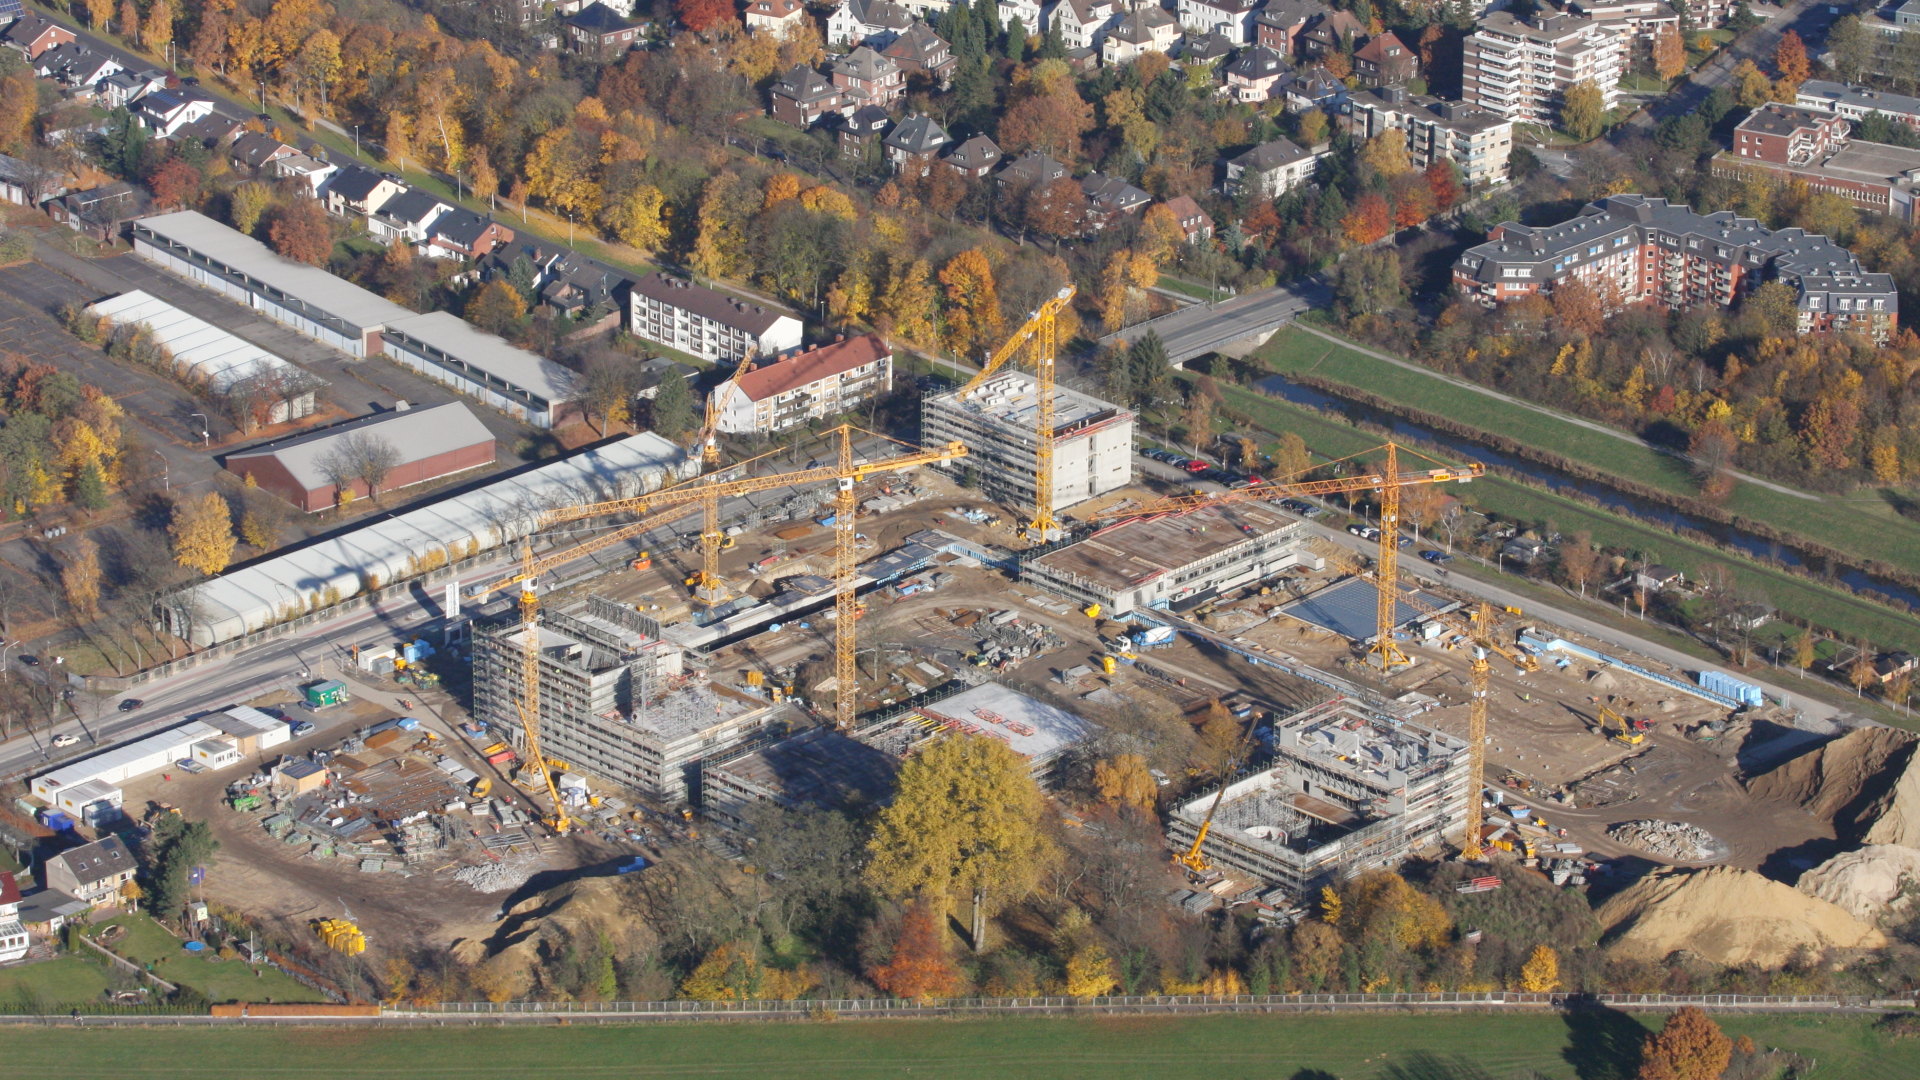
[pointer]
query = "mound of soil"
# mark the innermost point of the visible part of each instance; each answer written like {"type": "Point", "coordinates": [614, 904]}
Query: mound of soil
{"type": "Point", "coordinates": [1868, 882]}
{"type": "Point", "coordinates": [580, 911]}
{"type": "Point", "coordinates": [1864, 782]}
{"type": "Point", "coordinates": [1728, 916]}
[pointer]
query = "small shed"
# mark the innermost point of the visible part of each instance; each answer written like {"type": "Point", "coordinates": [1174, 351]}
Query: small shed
{"type": "Point", "coordinates": [325, 694]}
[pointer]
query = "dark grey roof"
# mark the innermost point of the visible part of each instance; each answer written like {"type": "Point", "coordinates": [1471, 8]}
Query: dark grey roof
{"type": "Point", "coordinates": [211, 129]}
{"type": "Point", "coordinates": [1290, 12]}
{"type": "Point", "coordinates": [410, 205]}
{"type": "Point", "coordinates": [1113, 192]}
{"type": "Point", "coordinates": [702, 301]}
{"type": "Point", "coordinates": [1138, 25]}
{"type": "Point", "coordinates": [865, 64]}
{"type": "Point", "coordinates": [1269, 156]}
{"type": "Point", "coordinates": [598, 18]}
{"type": "Point", "coordinates": [918, 135]}
{"type": "Point", "coordinates": [1212, 47]}
{"type": "Point", "coordinates": [255, 149]}
{"type": "Point", "coordinates": [803, 84]}
{"type": "Point", "coordinates": [1859, 97]}
{"type": "Point", "coordinates": [28, 27]}
{"type": "Point", "coordinates": [868, 119]}
{"type": "Point", "coordinates": [98, 861]}
{"type": "Point", "coordinates": [355, 182]}
{"type": "Point", "coordinates": [1033, 167]}
{"type": "Point", "coordinates": [460, 226]}
{"type": "Point", "coordinates": [976, 153]}
{"type": "Point", "coordinates": [1258, 62]}
{"type": "Point", "coordinates": [918, 43]}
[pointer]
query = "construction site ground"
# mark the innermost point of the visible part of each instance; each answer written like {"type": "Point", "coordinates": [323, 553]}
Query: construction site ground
{"type": "Point", "coordinates": [274, 880]}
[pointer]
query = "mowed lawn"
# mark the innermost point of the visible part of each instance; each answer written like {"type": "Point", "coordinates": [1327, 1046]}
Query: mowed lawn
{"type": "Point", "coordinates": [1863, 524]}
{"type": "Point", "coordinates": [146, 942]}
{"type": "Point", "coordinates": [1798, 598]}
{"type": "Point", "coordinates": [1468, 1046]}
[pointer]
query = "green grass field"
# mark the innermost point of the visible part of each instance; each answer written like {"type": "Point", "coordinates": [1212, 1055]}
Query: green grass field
{"type": "Point", "coordinates": [1797, 597]}
{"type": "Point", "coordinates": [1304, 1047]}
{"type": "Point", "coordinates": [220, 980]}
{"type": "Point", "coordinates": [1863, 524]}
{"type": "Point", "coordinates": [60, 983]}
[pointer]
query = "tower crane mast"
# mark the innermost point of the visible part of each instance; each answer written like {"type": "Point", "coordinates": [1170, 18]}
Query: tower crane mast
{"type": "Point", "coordinates": [1041, 331]}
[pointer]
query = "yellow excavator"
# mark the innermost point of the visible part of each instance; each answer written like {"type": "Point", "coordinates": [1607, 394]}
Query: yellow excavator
{"type": "Point", "coordinates": [1626, 735]}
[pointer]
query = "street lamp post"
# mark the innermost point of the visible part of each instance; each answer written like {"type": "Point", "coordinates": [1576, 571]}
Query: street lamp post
{"type": "Point", "coordinates": [356, 140]}
{"type": "Point", "coordinates": [166, 475]}
{"type": "Point", "coordinates": [205, 435]}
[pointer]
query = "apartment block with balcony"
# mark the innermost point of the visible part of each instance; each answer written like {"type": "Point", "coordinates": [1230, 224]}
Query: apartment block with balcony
{"type": "Point", "coordinates": [1814, 147]}
{"type": "Point", "coordinates": [1522, 69]}
{"type": "Point", "coordinates": [1635, 249]}
{"type": "Point", "coordinates": [1478, 142]}
{"type": "Point", "coordinates": [710, 325]}
{"type": "Point", "coordinates": [805, 386]}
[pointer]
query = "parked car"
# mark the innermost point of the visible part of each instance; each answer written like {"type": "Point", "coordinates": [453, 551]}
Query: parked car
{"type": "Point", "coordinates": [1406, 541]}
{"type": "Point", "coordinates": [1364, 532]}
{"type": "Point", "coordinates": [1195, 466]}
{"type": "Point", "coordinates": [1436, 557]}
{"type": "Point", "coordinates": [303, 727]}
{"type": "Point", "coordinates": [190, 766]}
{"type": "Point", "coordinates": [131, 704]}
{"type": "Point", "coordinates": [30, 661]}
{"type": "Point", "coordinates": [65, 740]}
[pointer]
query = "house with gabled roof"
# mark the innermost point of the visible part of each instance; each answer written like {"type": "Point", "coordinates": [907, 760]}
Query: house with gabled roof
{"type": "Point", "coordinates": [705, 322]}
{"type": "Point", "coordinates": [778, 16]}
{"type": "Point", "coordinates": [34, 34]}
{"type": "Point", "coordinates": [1232, 19]}
{"type": "Point", "coordinates": [1109, 198]}
{"type": "Point", "coordinates": [974, 158]}
{"type": "Point", "coordinates": [598, 32]}
{"type": "Point", "coordinates": [93, 873]}
{"type": "Point", "coordinates": [867, 22]}
{"type": "Point", "coordinates": [75, 66]}
{"type": "Point", "coordinates": [357, 191]}
{"type": "Point", "coordinates": [406, 216]}
{"type": "Point", "coordinates": [1272, 168]}
{"type": "Point", "coordinates": [803, 97]}
{"type": "Point", "coordinates": [1330, 33]}
{"type": "Point", "coordinates": [1195, 222]}
{"type": "Point", "coordinates": [165, 112]}
{"type": "Point", "coordinates": [1083, 23]}
{"type": "Point", "coordinates": [914, 144]}
{"type": "Point", "coordinates": [1140, 31]}
{"type": "Point", "coordinates": [865, 77]}
{"type": "Point", "coordinates": [798, 387]}
{"type": "Point", "coordinates": [254, 151]}
{"type": "Point", "coordinates": [1280, 23]}
{"type": "Point", "coordinates": [1385, 61]}
{"type": "Point", "coordinates": [1254, 73]}
{"type": "Point", "coordinates": [862, 128]}
{"type": "Point", "coordinates": [124, 87]}
{"type": "Point", "coordinates": [463, 234]}
{"type": "Point", "coordinates": [920, 51]}
{"type": "Point", "coordinates": [310, 173]}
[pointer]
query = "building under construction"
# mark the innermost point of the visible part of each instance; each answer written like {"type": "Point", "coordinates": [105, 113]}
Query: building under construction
{"type": "Point", "coordinates": [999, 423]}
{"type": "Point", "coordinates": [616, 701]}
{"type": "Point", "coordinates": [1175, 559]}
{"type": "Point", "coordinates": [1349, 789]}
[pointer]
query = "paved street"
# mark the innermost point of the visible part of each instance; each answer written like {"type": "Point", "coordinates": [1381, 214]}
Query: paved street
{"type": "Point", "coordinates": [1809, 18]}
{"type": "Point", "coordinates": [1195, 331]}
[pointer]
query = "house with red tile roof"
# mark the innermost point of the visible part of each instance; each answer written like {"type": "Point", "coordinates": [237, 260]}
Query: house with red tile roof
{"type": "Point", "coordinates": [798, 387]}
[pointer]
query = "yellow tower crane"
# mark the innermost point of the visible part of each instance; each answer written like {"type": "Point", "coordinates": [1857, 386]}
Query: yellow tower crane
{"type": "Point", "coordinates": [1042, 333]}
{"type": "Point", "coordinates": [708, 587]}
{"type": "Point", "coordinates": [1387, 480]}
{"type": "Point", "coordinates": [1478, 629]}
{"type": "Point", "coordinates": [669, 505]}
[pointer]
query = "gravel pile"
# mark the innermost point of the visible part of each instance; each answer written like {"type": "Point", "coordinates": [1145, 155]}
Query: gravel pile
{"type": "Point", "coordinates": [506, 874]}
{"type": "Point", "coordinates": [1675, 840]}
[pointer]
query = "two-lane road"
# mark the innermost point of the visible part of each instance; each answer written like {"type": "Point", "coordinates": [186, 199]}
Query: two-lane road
{"type": "Point", "coordinates": [1198, 330]}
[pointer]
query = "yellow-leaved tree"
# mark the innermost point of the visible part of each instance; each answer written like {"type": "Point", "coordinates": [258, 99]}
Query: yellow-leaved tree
{"type": "Point", "coordinates": [1541, 973]}
{"type": "Point", "coordinates": [973, 304]}
{"type": "Point", "coordinates": [963, 823]}
{"type": "Point", "coordinates": [202, 533]}
{"type": "Point", "coordinates": [1125, 780]}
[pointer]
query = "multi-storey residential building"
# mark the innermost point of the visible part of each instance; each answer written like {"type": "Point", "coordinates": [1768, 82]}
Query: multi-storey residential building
{"type": "Point", "coordinates": [1812, 147]}
{"type": "Point", "coordinates": [710, 325]}
{"type": "Point", "coordinates": [1092, 450]}
{"type": "Point", "coordinates": [805, 386]}
{"type": "Point", "coordinates": [1477, 141]}
{"type": "Point", "coordinates": [1522, 70]}
{"type": "Point", "coordinates": [914, 144]}
{"type": "Point", "coordinates": [780, 17]}
{"type": "Point", "coordinates": [975, 158]}
{"type": "Point", "coordinates": [1272, 168]}
{"type": "Point", "coordinates": [1280, 24]}
{"type": "Point", "coordinates": [1254, 73]}
{"type": "Point", "coordinates": [1328, 33]}
{"type": "Point", "coordinates": [1630, 19]}
{"type": "Point", "coordinates": [1634, 249]}
{"type": "Point", "coordinates": [1031, 13]}
{"type": "Point", "coordinates": [1856, 103]}
{"type": "Point", "coordinates": [1384, 61]}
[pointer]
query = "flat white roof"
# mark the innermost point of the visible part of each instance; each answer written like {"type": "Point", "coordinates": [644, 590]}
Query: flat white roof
{"type": "Point", "coordinates": [1011, 399]}
{"type": "Point", "coordinates": [310, 285]}
{"type": "Point", "coordinates": [209, 354]}
{"type": "Point", "coordinates": [1034, 729]}
{"type": "Point", "coordinates": [458, 340]}
{"type": "Point", "coordinates": [173, 739]}
{"type": "Point", "coordinates": [248, 599]}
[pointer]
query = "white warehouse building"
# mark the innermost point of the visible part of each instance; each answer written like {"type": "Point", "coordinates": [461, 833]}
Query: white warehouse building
{"type": "Point", "coordinates": [390, 550]}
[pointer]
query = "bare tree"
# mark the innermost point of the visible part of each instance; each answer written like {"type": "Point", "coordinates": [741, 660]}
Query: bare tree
{"type": "Point", "coordinates": [359, 456]}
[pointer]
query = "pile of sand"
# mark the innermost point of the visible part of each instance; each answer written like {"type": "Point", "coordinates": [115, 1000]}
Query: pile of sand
{"type": "Point", "coordinates": [1867, 882]}
{"type": "Point", "coordinates": [1862, 781]}
{"type": "Point", "coordinates": [1727, 916]}
{"type": "Point", "coordinates": [579, 911]}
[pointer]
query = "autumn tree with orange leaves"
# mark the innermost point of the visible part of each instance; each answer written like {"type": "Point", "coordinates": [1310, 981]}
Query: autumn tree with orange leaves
{"type": "Point", "coordinates": [919, 967]}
